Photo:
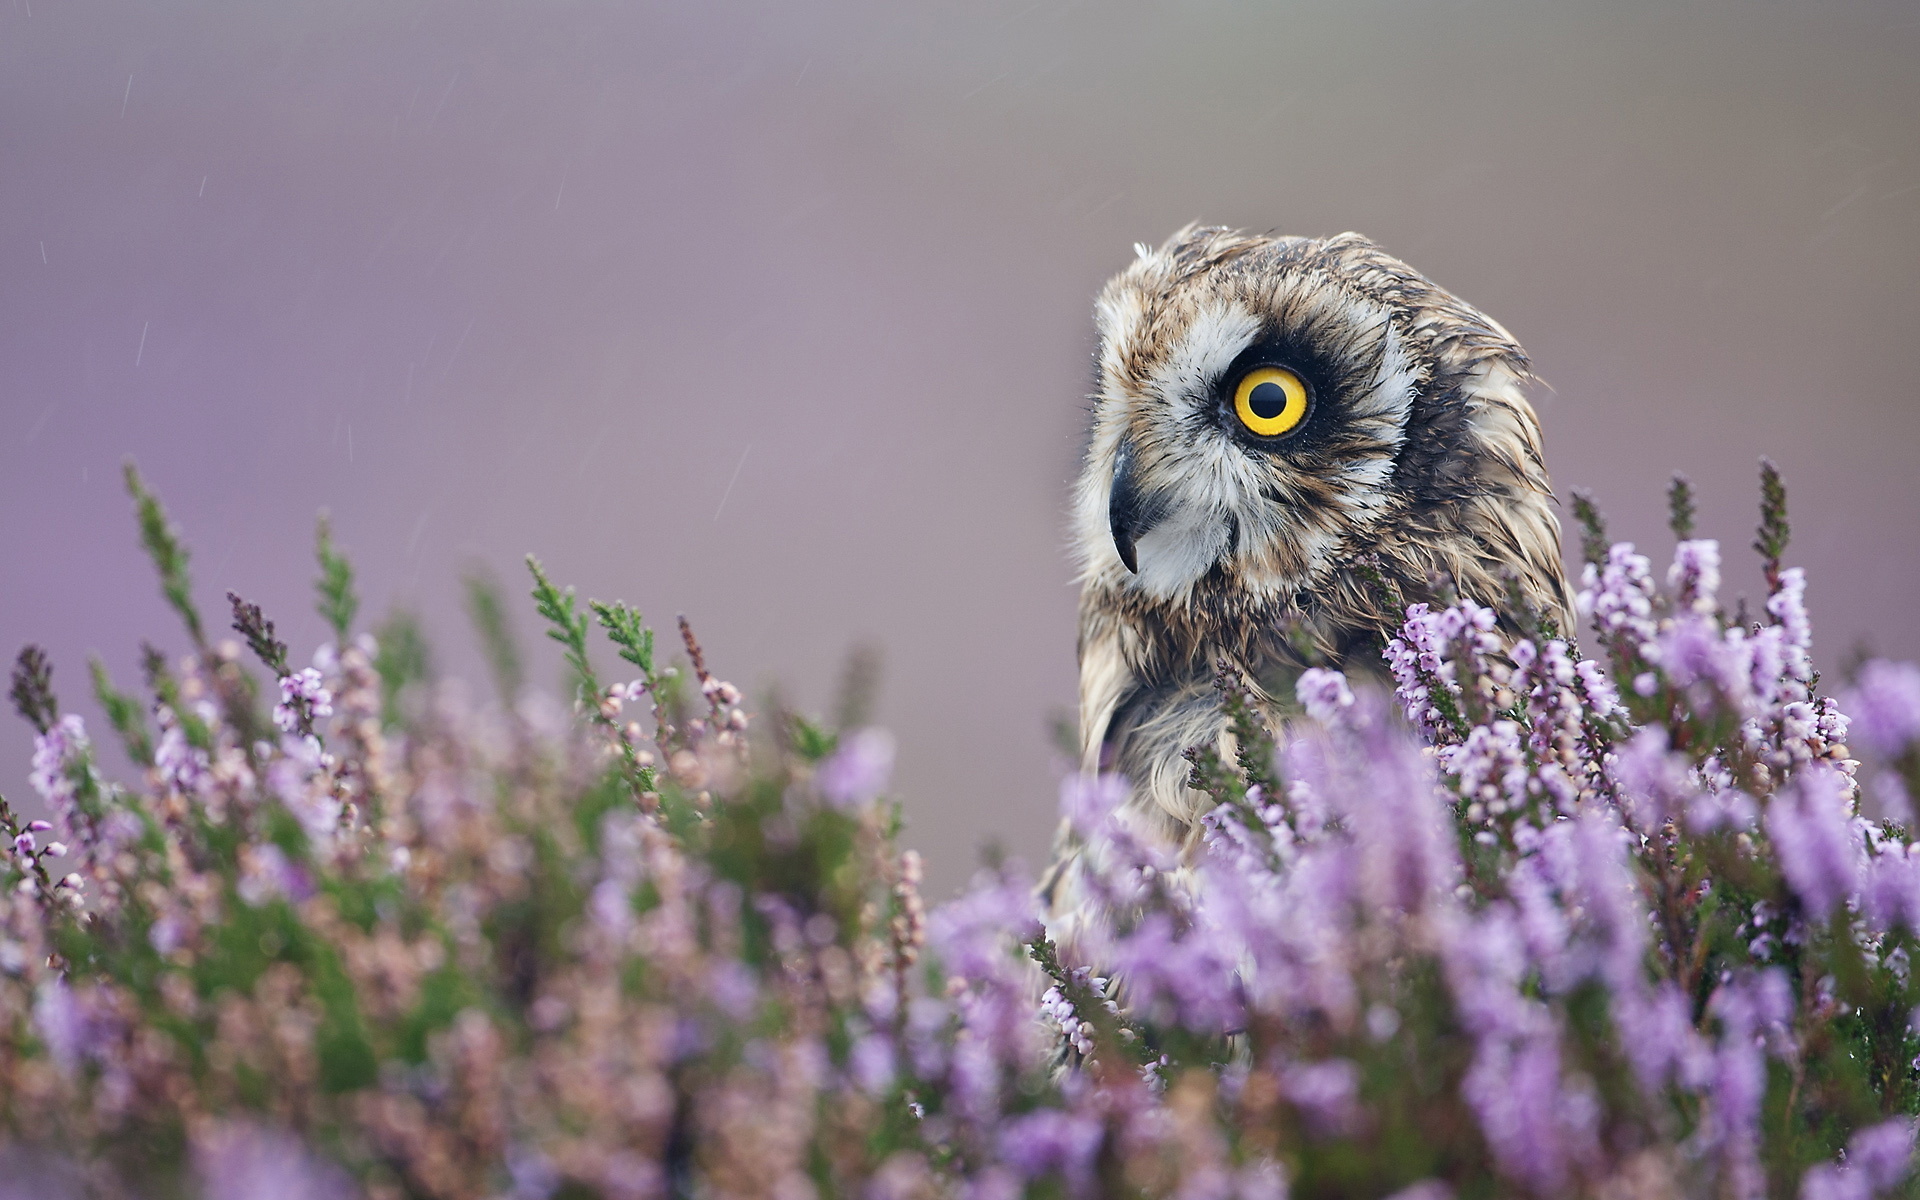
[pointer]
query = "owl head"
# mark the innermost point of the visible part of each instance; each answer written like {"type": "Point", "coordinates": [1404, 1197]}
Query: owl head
{"type": "Point", "coordinates": [1270, 408]}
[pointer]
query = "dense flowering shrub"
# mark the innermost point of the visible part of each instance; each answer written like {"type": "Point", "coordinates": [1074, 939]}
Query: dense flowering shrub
{"type": "Point", "coordinates": [1628, 923]}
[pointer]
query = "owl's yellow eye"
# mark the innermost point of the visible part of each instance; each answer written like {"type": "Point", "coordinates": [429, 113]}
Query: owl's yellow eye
{"type": "Point", "coordinates": [1270, 400]}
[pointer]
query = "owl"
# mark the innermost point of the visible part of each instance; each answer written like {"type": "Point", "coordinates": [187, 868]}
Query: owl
{"type": "Point", "coordinates": [1285, 432]}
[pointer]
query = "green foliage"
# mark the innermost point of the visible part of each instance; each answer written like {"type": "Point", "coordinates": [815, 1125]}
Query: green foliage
{"type": "Point", "coordinates": [169, 556]}
{"type": "Point", "coordinates": [568, 626]}
{"type": "Point", "coordinates": [1593, 529]}
{"type": "Point", "coordinates": [488, 612]}
{"type": "Point", "coordinates": [1680, 507]}
{"type": "Point", "coordinates": [124, 713]}
{"type": "Point", "coordinates": [1770, 539]}
{"type": "Point", "coordinates": [628, 633]}
{"type": "Point", "coordinates": [336, 601]}
{"type": "Point", "coordinates": [404, 661]}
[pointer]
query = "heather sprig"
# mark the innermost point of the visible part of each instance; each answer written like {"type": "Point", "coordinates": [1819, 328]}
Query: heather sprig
{"type": "Point", "coordinates": [487, 609]}
{"type": "Point", "coordinates": [1680, 507]}
{"type": "Point", "coordinates": [252, 624]}
{"type": "Point", "coordinates": [124, 713]}
{"type": "Point", "coordinates": [1593, 529]}
{"type": "Point", "coordinates": [1770, 539]}
{"type": "Point", "coordinates": [336, 601]}
{"type": "Point", "coordinates": [32, 690]}
{"type": "Point", "coordinates": [567, 626]}
{"type": "Point", "coordinates": [168, 554]}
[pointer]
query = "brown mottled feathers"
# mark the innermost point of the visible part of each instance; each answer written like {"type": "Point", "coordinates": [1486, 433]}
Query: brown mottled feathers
{"type": "Point", "coordinates": [1419, 467]}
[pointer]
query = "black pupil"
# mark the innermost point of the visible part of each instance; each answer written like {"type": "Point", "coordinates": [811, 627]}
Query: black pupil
{"type": "Point", "coordinates": [1267, 400]}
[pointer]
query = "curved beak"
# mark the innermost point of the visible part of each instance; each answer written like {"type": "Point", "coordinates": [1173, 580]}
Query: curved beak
{"type": "Point", "coordinates": [1130, 512]}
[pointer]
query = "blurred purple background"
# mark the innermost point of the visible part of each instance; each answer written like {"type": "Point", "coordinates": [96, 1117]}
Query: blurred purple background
{"type": "Point", "coordinates": [778, 316]}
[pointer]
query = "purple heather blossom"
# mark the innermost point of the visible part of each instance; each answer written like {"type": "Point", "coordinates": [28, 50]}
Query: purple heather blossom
{"type": "Point", "coordinates": [1816, 838]}
{"type": "Point", "coordinates": [532, 1172]}
{"type": "Point", "coordinates": [1539, 1127]}
{"type": "Point", "coordinates": [60, 1023]}
{"type": "Point", "coordinates": [57, 754]}
{"type": "Point", "coordinates": [1695, 650]}
{"type": "Point", "coordinates": [1694, 577]}
{"type": "Point", "coordinates": [1658, 1036]}
{"type": "Point", "coordinates": [1598, 688]}
{"type": "Point", "coordinates": [857, 772]}
{"type": "Point", "coordinates": [1491, 766]}
{"type": "Point", "coordinates": [1185, 979]}
{"type": "Point", "coordinates": [1751, 1009]}
{"type": "Point", "coordinates": [1788, 605]}
{"type": "Point", "coordinates": [185, 767]}
{"type": "Point", "coordinates": [1418, 659]}
{"type": "Point", "coordinates": [1048, 1141]}
{"type": "Point", "coordinates": [1885, 706]}
{"type": "Point", "coordinates": [976, 932]}
{"type": "Point", "coordinates": [243, 1160]}
{"type": "Point", "coordinates": [1883, 1154]}
{"type": "Point", "coordinates": [1618, 598]}
{"type": "Point", "coordinates": [266, 873]}
{"type": "Point", "coordinates": [301, 777]}
{"type": "Point", "coordinates": [733, 988]}
{"type": "Point", "coordinates": [1324, 694]}
{"type": "Point", "coordinates": [1826, 1181]}
{"type": "Point", "coordinates": [871, 1064]}
{"type": "Point", "coordinates": [1327, 1094]}
{"type": "Point", "coordinates": [1089, 802]}
{"type": "Point", "coordinates": [611, 906]}
{"type": "Point", "coordinates": [303, 696]}
{"type": "Point", "coordinates": [1078, 1033]}
{"type": "Point", "coordinates": [1403, 831]}
{"type": "Point", "coordinates": [1892, 892]}
{"type": "Point", "coordinates": [1655, 784]}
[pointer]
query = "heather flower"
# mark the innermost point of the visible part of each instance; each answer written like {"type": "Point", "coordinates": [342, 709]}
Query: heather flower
{"type": "Point", "coordinates": [1655, 784]}
{"type": "Point", "coordinates": [1048, 1142]}
{"type": "Point", "coordinates": [1883, 1154]}
{"type": "Point", "coordinates": [1618, 597]}
{"type": "Point", "coordinates": [1788, 607]}
{"type": "Point", "coordinates": [1090, 802]}
{"type": "Point", "coordinates": [1324, 694]}
{"type": "Point", "coordinates": [1491, 766]}
{"type": "Point", "coordinates": [1423, 673]}
{"type": "Point", "coordinates": [304, 699]}
{"type": "Point", "coordinates": [1694, 577]}
{"type": "Point", "coordinates": [1817, 839]}
{"type": "Point", "coordinates": [266, 873]}
{"type": "Point", "coordinates": [242, 1160]}
{"type": "Point", "coordinates": [1183, 979]}
{"type": "Point", "coordinates": [59, 755]}
{"type": "Point", "coordinates": [1540, 1126]}
{"type": "Point", "coordinates": [183, 766]}
{"type": "Point", "coordinates": [60, 1024]}
{"type": "Point", "coordinates": [858, 771]}
{"type": "Point", "coordinates": [301, 778]}
{"type": "Point", "coordinates": [1326, 1093]}
{"type": "Point", "coordinates": [1884, 705]}
{"type": "Point", "coordinates": [1658, 1036]}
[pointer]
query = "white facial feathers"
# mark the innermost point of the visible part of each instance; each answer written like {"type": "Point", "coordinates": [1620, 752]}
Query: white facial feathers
{"type": "Point", "coordinates": [1167, 343]}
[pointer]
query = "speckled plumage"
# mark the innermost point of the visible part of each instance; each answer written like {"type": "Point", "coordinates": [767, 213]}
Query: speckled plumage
{"type": "Point", "coordinates": [1420, 457]}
